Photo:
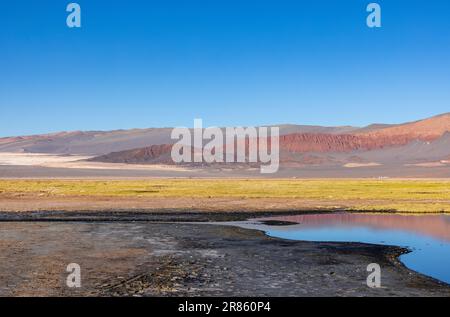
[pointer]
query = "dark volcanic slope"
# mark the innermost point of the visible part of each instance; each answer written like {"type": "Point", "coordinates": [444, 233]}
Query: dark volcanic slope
{"type": "Point", "coordinates": [155, 154]}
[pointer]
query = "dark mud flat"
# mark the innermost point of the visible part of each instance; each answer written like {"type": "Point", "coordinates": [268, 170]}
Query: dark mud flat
{"type": "Point", "coordinates": [169, 259]}
{"type": "Point", "coordinates": [143, 216]}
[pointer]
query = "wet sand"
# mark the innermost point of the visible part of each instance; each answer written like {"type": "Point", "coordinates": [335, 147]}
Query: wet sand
{"type": "Point", "coordinates": [144, 257]}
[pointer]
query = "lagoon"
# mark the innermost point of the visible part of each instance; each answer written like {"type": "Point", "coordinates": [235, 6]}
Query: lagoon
{"type": "Point", "coordinates": [426, 236]}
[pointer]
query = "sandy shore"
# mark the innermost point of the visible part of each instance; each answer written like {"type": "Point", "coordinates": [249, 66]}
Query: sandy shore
{"type": "Point", "coordinates": [170, 259]}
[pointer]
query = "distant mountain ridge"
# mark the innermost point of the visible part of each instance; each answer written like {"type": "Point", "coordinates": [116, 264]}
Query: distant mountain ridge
{"type": "Point", "coordinates": [409, 142]}
{"type": "Point", "coordinates": [426, 130]}
{"type": "Point", "coordinates": [103, 142]}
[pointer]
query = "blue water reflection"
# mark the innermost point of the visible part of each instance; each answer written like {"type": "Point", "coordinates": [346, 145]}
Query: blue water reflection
{"type": "Point", "coordinates": [427, 236]}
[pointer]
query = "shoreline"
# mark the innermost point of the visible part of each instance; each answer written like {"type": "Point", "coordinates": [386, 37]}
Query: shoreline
{"type": "Point", "coordinates": [177, 249]}
{"type": "Point", "coordinates": [173, 216]}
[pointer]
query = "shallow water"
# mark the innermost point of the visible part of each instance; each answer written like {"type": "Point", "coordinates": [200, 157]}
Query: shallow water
{"type": "Point", "coordinates": [428, 236]}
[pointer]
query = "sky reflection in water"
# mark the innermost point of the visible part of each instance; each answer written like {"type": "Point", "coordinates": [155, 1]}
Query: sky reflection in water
{"type": "Point", "coordinates": [427, 235]}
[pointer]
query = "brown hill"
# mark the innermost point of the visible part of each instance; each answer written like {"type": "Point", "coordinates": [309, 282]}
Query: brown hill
{"type": "Point", "coordinates": [310, 143]}
{"type": "Point", "coordinates": [103, 142]}
{"type": "Point", "coordinates": [322, 143]}
{"type": "Point", "coordinates": [155, 154]}
{"type": "Point", "coordinates": [425, 130]}
{"type": "Point", "coordinates": [407, 141]}
{"type": "Point", "coordinates": [293, 143]}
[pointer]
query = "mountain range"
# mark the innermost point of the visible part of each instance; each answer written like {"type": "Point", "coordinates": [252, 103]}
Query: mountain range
{"type": "Point", "coordinates": [423, 143]}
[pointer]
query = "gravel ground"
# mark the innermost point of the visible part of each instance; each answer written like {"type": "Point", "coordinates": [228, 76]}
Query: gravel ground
{"type": "Point", "coordinates": [146, 258]}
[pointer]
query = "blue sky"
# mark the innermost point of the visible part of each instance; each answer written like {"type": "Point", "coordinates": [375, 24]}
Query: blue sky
{"type": "Point", "coordinates": [230, 62]}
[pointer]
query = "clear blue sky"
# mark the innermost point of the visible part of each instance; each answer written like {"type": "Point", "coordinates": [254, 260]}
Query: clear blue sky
{"type": "Point", "coordinates": [231, 62]}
